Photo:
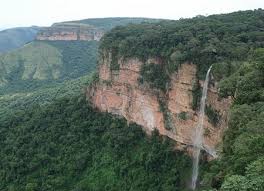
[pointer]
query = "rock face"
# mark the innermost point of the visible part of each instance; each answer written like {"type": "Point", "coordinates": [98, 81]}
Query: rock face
{"type": "Point", "coordinates": [119, 92]}
{"type": "Point", "coordinates": [70, 31]}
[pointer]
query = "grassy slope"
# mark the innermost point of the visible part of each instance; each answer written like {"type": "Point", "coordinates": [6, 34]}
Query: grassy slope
{"type": "Point", "coordinates": [39, 64]}
{"type": "Point", "coordinates": [79, 57]}
{"type": "Point", "coordinates": [36, 60]}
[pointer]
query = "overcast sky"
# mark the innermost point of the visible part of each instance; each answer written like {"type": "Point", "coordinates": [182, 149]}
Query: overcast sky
{"type": "Point", "coordinates": [15, 13]}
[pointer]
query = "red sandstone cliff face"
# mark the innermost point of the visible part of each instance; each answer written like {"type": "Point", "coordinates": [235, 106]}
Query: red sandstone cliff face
{"type": "Point", "coordinates": [70, 31]}
{"type": "Point", "coordinates": [119, 92]}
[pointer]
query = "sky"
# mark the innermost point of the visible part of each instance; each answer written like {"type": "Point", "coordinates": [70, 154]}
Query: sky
{"type": "Point", "coordinates": [15, 13]}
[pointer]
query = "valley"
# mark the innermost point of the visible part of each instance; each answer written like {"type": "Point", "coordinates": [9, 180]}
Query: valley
{"type": "Point", "coordinates": [114, 104]}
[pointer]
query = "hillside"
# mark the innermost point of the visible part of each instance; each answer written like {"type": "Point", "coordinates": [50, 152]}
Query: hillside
{"type": "Point", "coordinates": [41, 63]}
{"type": "Point", "coordinates": [11, 39]}
{"type": "Point", "coordinates": [64, 51]}
{"type": "Point", "coordinates": [129, 125]}
{"type": "Point", "coordinates": [156, 69]}
{"type": "Point", "coordinates": [152, 74]}
{"type": "Point", "coordinates": [43, 95]}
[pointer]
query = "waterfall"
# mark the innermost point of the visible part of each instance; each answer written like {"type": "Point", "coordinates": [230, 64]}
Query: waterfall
{"type": "Point", "coordinates": [198, 136]}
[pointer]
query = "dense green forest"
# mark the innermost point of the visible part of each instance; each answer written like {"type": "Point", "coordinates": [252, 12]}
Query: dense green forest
{"type": "Point", "coordinates": [67, 145]}
{"type": "Point", "coordinates": [44, 95]}
{"type": "Point", "coordinates": [241, 166]}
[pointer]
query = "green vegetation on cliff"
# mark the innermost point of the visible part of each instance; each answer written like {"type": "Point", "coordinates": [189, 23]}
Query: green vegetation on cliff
{"type": "Point", "coordinates": [234, 44]}
{"type": "Point", "coordinates": [201, 40]}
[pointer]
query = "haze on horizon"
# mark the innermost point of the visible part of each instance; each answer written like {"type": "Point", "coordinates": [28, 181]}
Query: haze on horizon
{"type": "Point", "coordinates": [16, 13]}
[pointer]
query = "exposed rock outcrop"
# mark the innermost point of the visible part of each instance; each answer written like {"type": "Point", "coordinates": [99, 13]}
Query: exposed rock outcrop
{"type": "Point", "coordinates": [70, 31]}
{"type": "Point", "coordinates": [119, 92]}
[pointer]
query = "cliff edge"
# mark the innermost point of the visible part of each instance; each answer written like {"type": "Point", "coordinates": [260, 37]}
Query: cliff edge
{"type": "Point", "coordinates": [70, 31]}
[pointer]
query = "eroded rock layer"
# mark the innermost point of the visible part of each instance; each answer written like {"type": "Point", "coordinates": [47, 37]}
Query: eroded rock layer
{"type": "Point", "coordinates": [119, 92]}
{"type": "Point", "coordinates": [70, 31]}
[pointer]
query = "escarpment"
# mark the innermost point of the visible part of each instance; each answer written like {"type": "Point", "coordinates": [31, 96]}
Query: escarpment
{"type": "Point", "coordinates": [170, 112]}
{"type": "Point", "coordinates": [70, 31]}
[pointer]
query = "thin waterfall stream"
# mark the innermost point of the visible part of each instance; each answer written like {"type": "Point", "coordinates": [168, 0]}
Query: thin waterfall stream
{"type": "Point", "coordinates": [198, 134]}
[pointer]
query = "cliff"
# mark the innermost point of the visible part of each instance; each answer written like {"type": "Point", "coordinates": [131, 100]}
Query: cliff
{"type": "Point", "coordinates": [119, 92]}
{"type": "Point", "coordinates": [70, 31]}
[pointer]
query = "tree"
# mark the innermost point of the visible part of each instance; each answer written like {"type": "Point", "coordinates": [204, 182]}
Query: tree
{"type": "Point", "coordinates": [235, 183]}
{"type": "Point", "coordinates": [31, 187]}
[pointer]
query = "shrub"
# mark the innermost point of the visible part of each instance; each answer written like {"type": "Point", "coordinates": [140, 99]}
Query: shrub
{"type": "Point", "coordinates": [212, 114]}
{"type": "Point", "coordinates": [183, 115]}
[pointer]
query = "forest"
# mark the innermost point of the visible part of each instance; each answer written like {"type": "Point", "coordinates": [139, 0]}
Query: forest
{"type": "Point", "coordinates": [67, 145]}
{"type": "Point", "coordinates": [51, 138]}
{"type": "Point", "coordinates": [234, 45]}
{"type": "Point", "coordinates": [241, 166]}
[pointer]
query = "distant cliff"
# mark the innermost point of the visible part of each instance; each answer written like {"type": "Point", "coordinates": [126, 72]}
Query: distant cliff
{"type": "Point", "coordinates": [70, 31]}
{"type": "Point", "coordinates": [87, 29]}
